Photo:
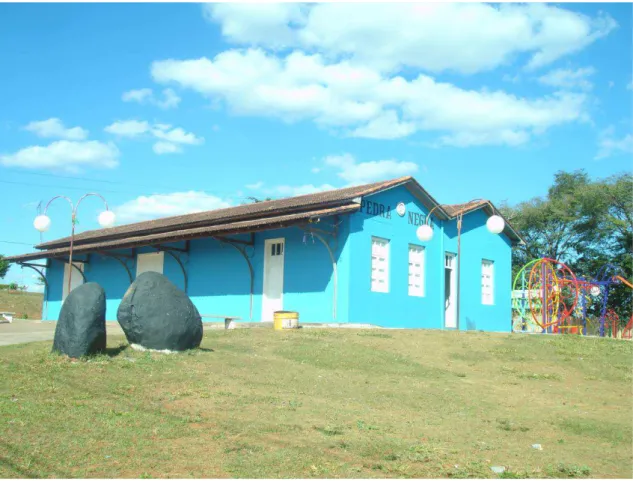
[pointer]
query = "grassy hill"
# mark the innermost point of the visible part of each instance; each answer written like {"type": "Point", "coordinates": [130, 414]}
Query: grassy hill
{"type": "Point", "coordinates": [314, 403]}
{"type": "Point", "coordinates": [26, 305]}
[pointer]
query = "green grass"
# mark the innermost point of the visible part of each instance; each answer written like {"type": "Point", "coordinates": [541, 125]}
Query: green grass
{"type": "Point", "coordinates": [313, 403]}
{"type": "Point", "coordinates": [26, 305]}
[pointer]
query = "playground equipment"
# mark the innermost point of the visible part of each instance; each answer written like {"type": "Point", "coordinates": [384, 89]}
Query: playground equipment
{"type": "Point", "coordinates": [548, 297]}
{"type": "Point", "coordinates": [521, 317]}
{"type": "Point", "coordinates": [552, 295]}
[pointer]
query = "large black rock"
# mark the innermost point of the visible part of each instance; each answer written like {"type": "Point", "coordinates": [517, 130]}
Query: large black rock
{"type": "Point", "coordinates": [155, 314]}
{"type": "Point", "coordinates": [81, 328]}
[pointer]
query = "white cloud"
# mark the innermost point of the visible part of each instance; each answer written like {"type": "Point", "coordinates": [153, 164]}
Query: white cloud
{"type": "Point", "coordinates": [164, 205]}
{"type": "Point", "coordinates": [355, 173]}
{"type": "Point", "coordinates": [146, 96]}
{"type": "Point", "coordinates": [315, 170]}
{"type": "Point", "coordinates": [177, 135]}
{"type": "Point", "coordinates": [140, 95]}
{"type": "Point", "coordinates": [163, 147]}
{"type": "Point", "coordinates": [255, 186]}
{"type": "Point", "coordinates": [128, 128]}
{"type": "Point", "coordinates": [250, 22]}
{"type": "Point", "coordinates": [569, 79]}
{"type": "Point", "coordinates": [64, 155]}
{"type": "Point", "coordinates": [385, 126]}
{"type": "Point", "coordinates": [470, 139]}
{"type": "Point", "coordinates": [436, 37]}
{"type": "Point", "coordinates": [167, 136]}
{"type": "Point", "coordinates": [511, 78]}
{"type": "Point", "coordinates": [609, 144]}
{"type": "Point", "coordinates": [359, 101]}
{"type": "Point", "coordinates": [54, 128]}
{"type": "Point", "coordinates": [630, 85]}
{"type": "Point", "coordinates": [291, 191]}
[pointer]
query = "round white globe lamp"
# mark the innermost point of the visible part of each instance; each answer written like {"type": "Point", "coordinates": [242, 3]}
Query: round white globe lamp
{"type": "Point", "coordinates": [42, 223]}
{"type": "Point", "coordinates": [424, 233]}
{"type": "Point", "coordinates": [107, 218]}
{"type": "Point", "coordinates": [495, 224]}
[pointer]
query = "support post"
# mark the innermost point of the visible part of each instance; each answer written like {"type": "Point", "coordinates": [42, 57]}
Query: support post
{"type": "Point", "coordinates": [177, 259]}
{"type": "Point", "coordinates": [250, 269]}
{"type": "Point", "coordinates": [116, 257]}
{"type": "Point", "coordinates": [459, 261]}
{"type": "Point", "coordinates": [334, 269]}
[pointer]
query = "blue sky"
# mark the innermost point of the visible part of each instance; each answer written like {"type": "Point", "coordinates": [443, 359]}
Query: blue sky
{"type": "Point", "coordinates": [171, 108]}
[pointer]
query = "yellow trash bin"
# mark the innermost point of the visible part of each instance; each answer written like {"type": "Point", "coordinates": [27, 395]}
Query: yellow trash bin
{"type": "Point", "coordinates": [285, 320]}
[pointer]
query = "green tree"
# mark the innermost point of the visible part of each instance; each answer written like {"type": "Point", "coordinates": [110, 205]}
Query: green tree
{"type": "Point", "coordinates": [4, 266]}
{"type": "Point", "coordinates": [582, 222]}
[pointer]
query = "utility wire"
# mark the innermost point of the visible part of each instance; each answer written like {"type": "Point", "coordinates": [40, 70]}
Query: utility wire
{"type": "Point", "coordinates": [90, 179]}
{"type": "Point", "coordinates": [85, 188]}
{"type": "Point", "coordinates": [14, 242]}
{"type": "Point", "coordinates": [63, 187]}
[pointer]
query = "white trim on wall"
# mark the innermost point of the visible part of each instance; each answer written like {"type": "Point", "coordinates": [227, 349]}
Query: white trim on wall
{"type": "Point", "coordinates": [150, 261]}
{"type": "Point", "coordinates": [379, 264]}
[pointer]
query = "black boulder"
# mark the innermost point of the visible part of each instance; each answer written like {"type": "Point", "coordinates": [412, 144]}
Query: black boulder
{"type": "Point", "coordinates": [81, 328]}
{"type": "Point", "coordinates": [155, 314]}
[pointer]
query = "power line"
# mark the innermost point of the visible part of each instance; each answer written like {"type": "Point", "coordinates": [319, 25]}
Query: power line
{"type": "Point", "coordinates": [14, 242]}
{"type": "Point", "coordinates": [90, 179]}
{"type": "Point", "coordinates": [85, 188]}
{"type": "Point", "coordinates": [63, 187]}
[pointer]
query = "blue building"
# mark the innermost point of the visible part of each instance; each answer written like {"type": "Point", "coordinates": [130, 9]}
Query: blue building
{"type": "Point", "coordinates": [344, 256]}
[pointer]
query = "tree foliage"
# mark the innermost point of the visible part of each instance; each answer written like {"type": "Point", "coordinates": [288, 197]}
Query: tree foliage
{"type": "Point", "coordinates": [4, 266]}
{"type": "Point", "coordinates": [582, 222]}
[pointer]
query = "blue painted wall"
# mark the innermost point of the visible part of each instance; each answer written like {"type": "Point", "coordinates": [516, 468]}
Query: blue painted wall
{"type": "Point", "coordinates": [219, 279]}
{"type": "Point", "coordinates": [477, 244]}
{"type": "Point", "coordinates": [396, 308]}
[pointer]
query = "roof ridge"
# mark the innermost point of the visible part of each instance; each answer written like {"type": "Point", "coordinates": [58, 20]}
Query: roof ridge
{"type": "Point", "coordinates": [257, 209]}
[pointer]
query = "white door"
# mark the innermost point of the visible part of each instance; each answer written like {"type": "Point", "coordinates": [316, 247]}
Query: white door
{"type": "Point", "coordinates": [152, 261]}
{"type": "Point", "coordinates": [75, 280]}
{"type": "Point", "coordinates": [450, 295]}
{"type": "Point", "coordinates": [273, 278]}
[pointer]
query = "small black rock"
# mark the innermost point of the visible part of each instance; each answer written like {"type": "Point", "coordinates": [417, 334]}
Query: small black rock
{"type": "Point", "coordinates": [81, 328]}
{"type": "Point", "coordinates": [155, 314]}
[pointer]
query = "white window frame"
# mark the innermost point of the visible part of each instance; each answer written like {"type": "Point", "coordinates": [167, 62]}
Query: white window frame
{"type": "Point", "coordinates": [150, 255]}
{"type": "Point", "coordinates": [487, 288]}
{"type": "Point", "coordinates": [77, 278]}
{"type": "Point", "coordinates": [417, 291]}
{"type": "Point", "coordinates": [379, 281]}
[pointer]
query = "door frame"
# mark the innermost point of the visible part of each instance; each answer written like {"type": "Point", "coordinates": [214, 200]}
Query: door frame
{"type": "Point", "coordinates": [267, 244]}
{"type": "Point", "coordinates": [149, 255]}
{"type": "Point", "coordinates": [67, 271]}
{"type": "Point", "coordinates": [453, 286]}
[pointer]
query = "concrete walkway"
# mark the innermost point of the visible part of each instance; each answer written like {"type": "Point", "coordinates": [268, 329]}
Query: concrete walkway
{"type": "Point", "coordinates": [21, 331]}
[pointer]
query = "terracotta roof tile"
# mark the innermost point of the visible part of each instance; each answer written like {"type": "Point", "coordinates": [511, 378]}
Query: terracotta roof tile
{"type": "Point", "coordinates": [217, 230]}
{"type": "Point", "coordinates": [230, 214]}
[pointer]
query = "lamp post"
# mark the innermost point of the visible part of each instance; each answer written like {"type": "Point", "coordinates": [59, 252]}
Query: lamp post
{"type": "Point", "coordinates": [495, 225]}
{"type": "Point", "coordinates": [42, 223]}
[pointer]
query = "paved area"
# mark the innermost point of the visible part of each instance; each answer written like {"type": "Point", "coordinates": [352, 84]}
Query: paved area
{"type": "Point", "coordinates": [21, 331]}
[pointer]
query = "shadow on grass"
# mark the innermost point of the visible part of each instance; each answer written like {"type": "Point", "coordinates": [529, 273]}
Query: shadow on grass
{"type": "Point", "coordinates": [115, 351]}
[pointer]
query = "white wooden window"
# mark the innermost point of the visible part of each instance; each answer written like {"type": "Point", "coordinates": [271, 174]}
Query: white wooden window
{"type": "Point", "coordinates": [76, 278]}
{"type": "Point", "coordinates": [487, 282]}
{"type": "Point", "coordinates": [416, 270]}
{"type": "Point", "coordinates": [379, 264]}
{"type": "Point", "coordinates": [152, 261]}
